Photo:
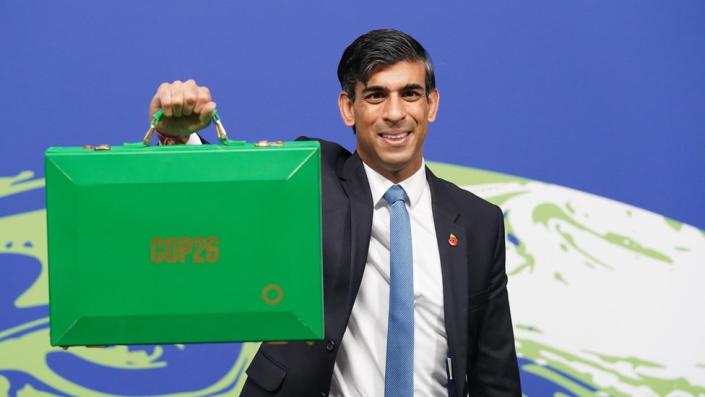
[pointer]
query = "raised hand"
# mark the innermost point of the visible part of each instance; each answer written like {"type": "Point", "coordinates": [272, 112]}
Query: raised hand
{"type": "Point", "coordinates": [187, 107]}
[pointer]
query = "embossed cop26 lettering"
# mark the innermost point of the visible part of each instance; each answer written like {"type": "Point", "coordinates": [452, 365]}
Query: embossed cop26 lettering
{"type": "Point", "coordinates": [183, 249]}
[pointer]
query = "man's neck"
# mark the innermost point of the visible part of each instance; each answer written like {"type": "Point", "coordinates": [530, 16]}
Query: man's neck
{"type": "Point", "coordinates": [396, 176]}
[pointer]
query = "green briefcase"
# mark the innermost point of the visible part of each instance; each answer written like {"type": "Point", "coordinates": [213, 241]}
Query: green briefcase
{"type": "Point", "coordinates": [184, 244]}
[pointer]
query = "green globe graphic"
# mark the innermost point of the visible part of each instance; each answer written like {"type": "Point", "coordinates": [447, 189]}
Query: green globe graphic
{"type": "Point", "coordinates": [605, 297]}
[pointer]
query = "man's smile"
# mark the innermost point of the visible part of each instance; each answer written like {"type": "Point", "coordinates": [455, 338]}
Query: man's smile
{"type": "Point", "coordinates": [395, 137]}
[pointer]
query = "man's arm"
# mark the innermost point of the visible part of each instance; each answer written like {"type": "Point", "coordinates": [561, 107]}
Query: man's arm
{"type": "Point", "coordinates": [193, 139]}
{"type": "Point", "coordinates": [494, 371]}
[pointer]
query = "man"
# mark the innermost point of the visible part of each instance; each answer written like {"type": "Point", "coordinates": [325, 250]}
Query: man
{"type": "Point", "coordinates": [414, 275]}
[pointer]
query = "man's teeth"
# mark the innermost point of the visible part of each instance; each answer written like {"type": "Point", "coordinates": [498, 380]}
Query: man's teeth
{"type": "Point", "coordinates": [395, 136]}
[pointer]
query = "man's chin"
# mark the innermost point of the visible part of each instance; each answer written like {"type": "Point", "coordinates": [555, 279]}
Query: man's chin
{"type": "Point", "coordinates": [400, 165]}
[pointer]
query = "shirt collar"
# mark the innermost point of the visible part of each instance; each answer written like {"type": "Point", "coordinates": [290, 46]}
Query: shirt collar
{"type": "Point", "coordinates": [413, 185]}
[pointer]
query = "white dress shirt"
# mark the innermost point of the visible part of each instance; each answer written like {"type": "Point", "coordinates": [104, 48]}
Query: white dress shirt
{"type": "Point", "coordinates": [194, 139]}
{"type": "Point", "coordinates": [360, 363]}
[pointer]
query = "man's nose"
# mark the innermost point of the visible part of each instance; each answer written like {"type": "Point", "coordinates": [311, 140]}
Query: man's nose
{"type": "Point", "coordinates": [394, 110]}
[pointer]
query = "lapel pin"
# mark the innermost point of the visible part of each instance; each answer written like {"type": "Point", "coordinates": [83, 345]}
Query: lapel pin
{"type": "Point", "coordinates": [452, 240]}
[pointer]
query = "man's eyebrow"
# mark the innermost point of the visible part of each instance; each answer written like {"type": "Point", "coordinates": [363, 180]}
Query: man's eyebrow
{"type": "Point", "coordinates": [379, 88]}
{"type": "Point", "coordinates": [412, 87]}
{"type": "Point", "coordinates": [374, 88]}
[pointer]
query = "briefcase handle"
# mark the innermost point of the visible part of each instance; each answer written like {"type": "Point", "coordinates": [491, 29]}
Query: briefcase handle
{"type": "Point", "coordinates": [219, 129]}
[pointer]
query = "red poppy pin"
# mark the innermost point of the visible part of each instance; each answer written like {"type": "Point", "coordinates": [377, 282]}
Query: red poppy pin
{"type": "Point", "coordinates": [452, 240]}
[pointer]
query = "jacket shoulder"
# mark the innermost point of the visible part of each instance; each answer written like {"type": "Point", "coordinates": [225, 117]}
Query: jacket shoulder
{"type": "Point", "coordinates": [333, 156]}
{"type": "Point", "coordinates": [468, 203]}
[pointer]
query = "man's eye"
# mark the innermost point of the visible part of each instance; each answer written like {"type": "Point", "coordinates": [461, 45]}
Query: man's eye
{"type": "Point", "coordinates": [411, 95]}
{"type": "Point", "coordinates": [375, 97]}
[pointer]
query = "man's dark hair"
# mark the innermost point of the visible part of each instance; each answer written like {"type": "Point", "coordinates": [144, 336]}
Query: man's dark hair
{"type": "Point", "coordinates": [381, 47]}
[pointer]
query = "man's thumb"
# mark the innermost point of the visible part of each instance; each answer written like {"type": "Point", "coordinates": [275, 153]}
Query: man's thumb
{"type": "Point", "coordinates": [207, 113]}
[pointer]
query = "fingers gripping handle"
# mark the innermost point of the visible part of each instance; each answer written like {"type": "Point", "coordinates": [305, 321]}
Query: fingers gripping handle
{"type": "Point", "coordinates": [219, 129]}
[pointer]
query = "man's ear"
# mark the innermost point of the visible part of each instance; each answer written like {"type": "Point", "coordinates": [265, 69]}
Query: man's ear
{"type": "Point", "coordinates": [433, 98]}
{"type": "Point", "coordinates": [345, 105]}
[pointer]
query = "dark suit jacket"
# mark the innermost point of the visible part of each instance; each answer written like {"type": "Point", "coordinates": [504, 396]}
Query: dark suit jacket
{"type": "Point", "coordinates": [478, 324]}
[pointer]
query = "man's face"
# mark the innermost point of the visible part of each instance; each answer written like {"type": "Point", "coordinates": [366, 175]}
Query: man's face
{"type": "Point", "coordinates": [391, 115]}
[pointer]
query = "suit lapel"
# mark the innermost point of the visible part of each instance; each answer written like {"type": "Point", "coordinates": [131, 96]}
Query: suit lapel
{"type": "Point", "coordinates": [454, 268]}
{"type": "Point", "coordinates": [357, 188]}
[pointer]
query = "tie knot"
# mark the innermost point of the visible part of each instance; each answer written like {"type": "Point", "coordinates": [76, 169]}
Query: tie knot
{"type": "Point", "coordinates": [394, 194]}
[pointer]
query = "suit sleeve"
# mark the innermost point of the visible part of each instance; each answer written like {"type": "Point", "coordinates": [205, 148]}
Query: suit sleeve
{"type": "Point", "coordinates": [494, 370]}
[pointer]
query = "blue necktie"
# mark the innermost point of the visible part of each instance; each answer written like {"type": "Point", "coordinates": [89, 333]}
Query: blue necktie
{"type": "Point", "coordinates": [399, 371]}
